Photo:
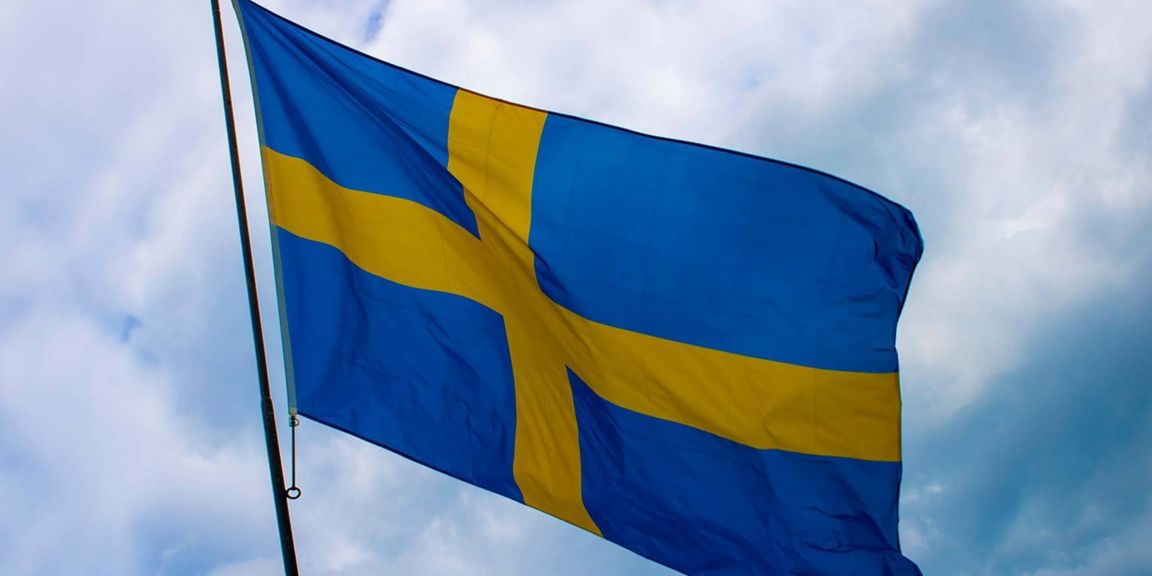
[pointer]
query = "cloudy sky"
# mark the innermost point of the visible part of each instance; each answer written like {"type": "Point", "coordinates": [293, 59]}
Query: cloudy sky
{"type": "Point", "coordinates": [1019, 132]}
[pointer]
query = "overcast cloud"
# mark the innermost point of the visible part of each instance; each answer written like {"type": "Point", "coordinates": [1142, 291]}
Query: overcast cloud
{"type": "Point", "coordinates": [1019, 132]}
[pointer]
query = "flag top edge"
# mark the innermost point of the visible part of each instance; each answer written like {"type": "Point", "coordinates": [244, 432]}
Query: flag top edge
{"type": "Point", "coordinates": [915, 228]}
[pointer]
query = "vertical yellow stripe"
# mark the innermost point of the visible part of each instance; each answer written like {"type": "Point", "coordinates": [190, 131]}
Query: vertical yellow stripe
{"type": "Point", "coordinates": [492, 149]}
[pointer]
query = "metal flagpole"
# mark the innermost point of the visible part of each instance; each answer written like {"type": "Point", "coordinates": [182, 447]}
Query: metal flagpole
{"type": "Point", "coordinates": [272, 444]}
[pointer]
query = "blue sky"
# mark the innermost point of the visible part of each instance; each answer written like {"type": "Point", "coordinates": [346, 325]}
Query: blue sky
{"type": "Point", "coordinates": [1018, 132]}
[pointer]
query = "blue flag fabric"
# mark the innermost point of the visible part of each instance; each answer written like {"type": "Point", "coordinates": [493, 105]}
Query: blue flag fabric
{"type": "Point", "coordinates": [686, 350]}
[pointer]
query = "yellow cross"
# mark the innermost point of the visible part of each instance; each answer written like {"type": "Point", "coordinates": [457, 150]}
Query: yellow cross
{"type": "Point", "coordinates": [492, 151]}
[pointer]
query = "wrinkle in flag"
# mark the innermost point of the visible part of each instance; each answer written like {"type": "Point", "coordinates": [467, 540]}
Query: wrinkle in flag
{"type": "Point", "coordinates": [688, 351]}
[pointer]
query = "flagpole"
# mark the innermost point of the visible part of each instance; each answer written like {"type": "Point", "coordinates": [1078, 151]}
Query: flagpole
{"type": "Point", "coordinates": [271, 443]}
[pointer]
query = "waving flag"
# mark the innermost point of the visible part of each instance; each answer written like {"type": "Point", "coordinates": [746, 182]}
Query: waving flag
{"type": "Point", "coordinates": [686, 350]}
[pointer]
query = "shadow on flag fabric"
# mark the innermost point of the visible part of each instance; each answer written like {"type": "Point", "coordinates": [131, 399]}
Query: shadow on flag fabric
{"type": "Point", "coordinates": [686, 350]}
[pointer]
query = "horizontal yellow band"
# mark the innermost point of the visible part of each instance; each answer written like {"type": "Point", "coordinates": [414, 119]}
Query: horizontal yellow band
{"type": "Point", "coordinates": [758, 403]}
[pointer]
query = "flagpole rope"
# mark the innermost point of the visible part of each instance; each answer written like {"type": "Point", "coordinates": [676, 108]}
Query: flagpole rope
{"type": "Point", "coordinates": [293, 492]}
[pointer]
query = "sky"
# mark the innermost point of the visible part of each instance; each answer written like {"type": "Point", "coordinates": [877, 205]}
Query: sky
{"type": "Point", "coordinates": [1018, 132]}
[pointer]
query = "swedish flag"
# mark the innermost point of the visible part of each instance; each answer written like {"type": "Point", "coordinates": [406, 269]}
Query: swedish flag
{"type": "Point", "coordinates": [686, 350]}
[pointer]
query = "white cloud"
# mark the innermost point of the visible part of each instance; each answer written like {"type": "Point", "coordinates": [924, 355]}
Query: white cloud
{"type": "Point", "coordinates": [102, 456]}
{"type": "Point", "coordinates": [257, 567]}
{"type": "Point", "coordinates": [1034, 182]}
{"type": "Point", "coordinates": [682, 69]}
